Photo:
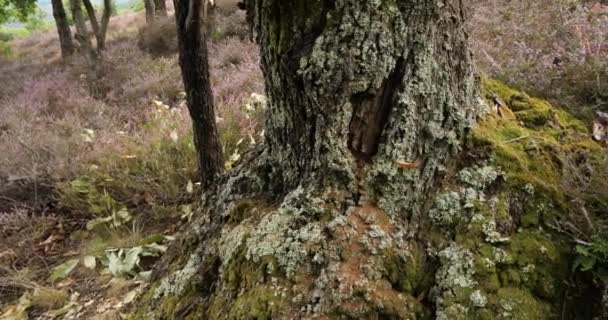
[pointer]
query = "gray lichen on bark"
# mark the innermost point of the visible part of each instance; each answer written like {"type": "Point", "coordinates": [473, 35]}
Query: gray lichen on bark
{"type": "Point", "coordinates": [354, 88]}
{"type": "Point", "coordinates": [366, 82]}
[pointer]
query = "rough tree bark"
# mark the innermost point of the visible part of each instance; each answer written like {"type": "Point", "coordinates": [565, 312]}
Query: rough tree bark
{"type": "Point", "coordinates": [195, 74]}
{"type": "Point", "coordinates": [369, 106]}
{"type": "Point", "coordinates": [160, 8]}
{"type": "Point", "coordinates": [63, 29]}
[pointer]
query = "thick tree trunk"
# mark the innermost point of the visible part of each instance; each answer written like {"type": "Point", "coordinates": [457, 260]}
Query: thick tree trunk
{"type": "Point", "coordinates": [369, 104]}
{"type": "Point", "coordinates": [63, 29]}
{"type": "Point", "coordinates": [340, 214]}
{"type": "Point", "coordinates": [357, 86]}
{"type": "Point", "coordinates": [195, 73]}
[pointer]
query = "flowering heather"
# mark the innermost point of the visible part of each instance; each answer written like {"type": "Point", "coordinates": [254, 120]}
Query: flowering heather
{"type": "Point", "coordinates": [552, 48]}
{"type": "Point", "coordinates": [56, 120]}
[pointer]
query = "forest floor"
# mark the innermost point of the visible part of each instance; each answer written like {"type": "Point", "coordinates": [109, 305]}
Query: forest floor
{"type": "Point", "coordinates": [98, 175]}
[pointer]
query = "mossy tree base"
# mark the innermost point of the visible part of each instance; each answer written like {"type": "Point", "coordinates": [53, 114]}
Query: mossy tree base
{"type": "Point", "coordinates": [374, 197]}
{"type": "Point", "coordinates": [484, 251]}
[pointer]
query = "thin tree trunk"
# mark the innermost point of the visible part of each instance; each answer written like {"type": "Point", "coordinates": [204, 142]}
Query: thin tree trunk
{"type": "Point", "coordinates": [63, 29]}
{"type": "Point", "coordinates": [208, 16]}
{"type": "Point", "coordinates": [82, 34]}
{"type": "Point", "coordinates": [195, 74]}
{"type": "Point", "coordinates": [160, 8]}
{"type": "Point", "coordinates": [105, 21]}
{"type": "Point", "coordinates": [149, 5]}
{"type": "Point", "coordinates": [99, 30]}
{"type": "Point", "coordinates": [92, 17]}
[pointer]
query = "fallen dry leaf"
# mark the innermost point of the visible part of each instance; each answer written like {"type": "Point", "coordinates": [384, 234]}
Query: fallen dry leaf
{"type": "Point", "coordinates": [51, 239]}
{"type": "Point", "coordinates": [407, 165]}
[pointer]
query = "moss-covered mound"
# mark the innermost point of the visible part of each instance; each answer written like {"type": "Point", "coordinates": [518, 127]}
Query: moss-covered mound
{"type": "Point", "coordinates": [509, 258]}
{"type": "Point", "coordinates": [490, 245]}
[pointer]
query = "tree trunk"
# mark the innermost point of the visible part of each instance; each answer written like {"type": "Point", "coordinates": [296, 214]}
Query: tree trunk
{"type": "Point", "coordinates": [99, 30]}
{"type": "Point", "coordinates": [149, 5]}
{"type": "Point", "coordinates": [105, 21]}
{"type": "Point", "coordinates": [208, 16]}
{"type": "Point", "coordinates": [92, 16]}
{"type": "Point", "coordinates": [82, 34]}
{"type": "Point", "coordinates": [334, 217]}
{"type": "Point", "coordinates": [160, 8]}
{"type": "Point", "coordinates": [195, 74]}
{"type": "Point", "coordinates": [63, 29]}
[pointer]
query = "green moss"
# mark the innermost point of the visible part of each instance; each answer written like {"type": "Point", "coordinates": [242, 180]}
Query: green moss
{"type": "Point", "coordinates": [407, 274]}
{"type": "Point", "coordinates": [246, 209]}
{"type": "Point", "coordinates": [261, 303]}
{"type": "Point", "coordinates": [517, 304]}
{"type": "Point", "coordinates": [240, 273]}
{"type": "Point", "coordinates": [290, 16]}
{"type": "Point", "coordinates": [535, 117]}
{"type": "Point", "coordinates": [531, 149]}
{"type": "Point", "coordinates": [167, 307]}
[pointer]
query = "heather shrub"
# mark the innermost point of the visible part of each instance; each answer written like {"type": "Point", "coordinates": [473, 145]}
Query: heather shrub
{"type": "Point", "coordinates": [230, 22]}
{"type": "Point", "coordinates": [552, 48]}
{"type": "Point", "coordinates": [47, 129]}
{"type": "Point", "coordinates": [159, 37]}
{"type": "Point", "coordinates": [147, 168]}
{"type": "Point", "coordinates": [235, 70]}
{"type": "Point", "coordinates": [134, 78]}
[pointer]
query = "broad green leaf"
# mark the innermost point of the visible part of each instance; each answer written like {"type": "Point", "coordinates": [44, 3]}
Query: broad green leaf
{"type": "Point", "coordinates": [116, 265]}
{"type": "Point", "coordinates": [97, 222]}
{"type": "Point", "coordinates": [123, 262]}
{"type": "Point", "coordinates": [132, 256]}
{"type": "Point", "coordinates": [63, 270]}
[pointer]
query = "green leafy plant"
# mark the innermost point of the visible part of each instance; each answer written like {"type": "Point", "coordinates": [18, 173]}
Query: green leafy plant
{"type": "Point", "coordinates": [63, 270]}
{"type": "Point", "coordinates": [16, 10]}
{"type": "Point", "coordinates": [593, 257]}
{"type": "Point", "coordinates": [126, 262]}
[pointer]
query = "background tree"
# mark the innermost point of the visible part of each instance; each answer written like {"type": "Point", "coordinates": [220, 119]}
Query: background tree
{"type": "Point", "coordinates": [195, 73]}
{"type": "Point", "coordinates": [16, 10]}
{"type": "Point", "coordinates": [99, 30]}
{"type": "Point", "coordinates": [149, 9]}
{"type": "Point", "coordinates": [63, 29]}
{"type": "Point", "coordinates": [155, 9]}
{"type": "Point", "coordinates": [82, 32]}
{"type": "Point", "coordinates": [160, 8]}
